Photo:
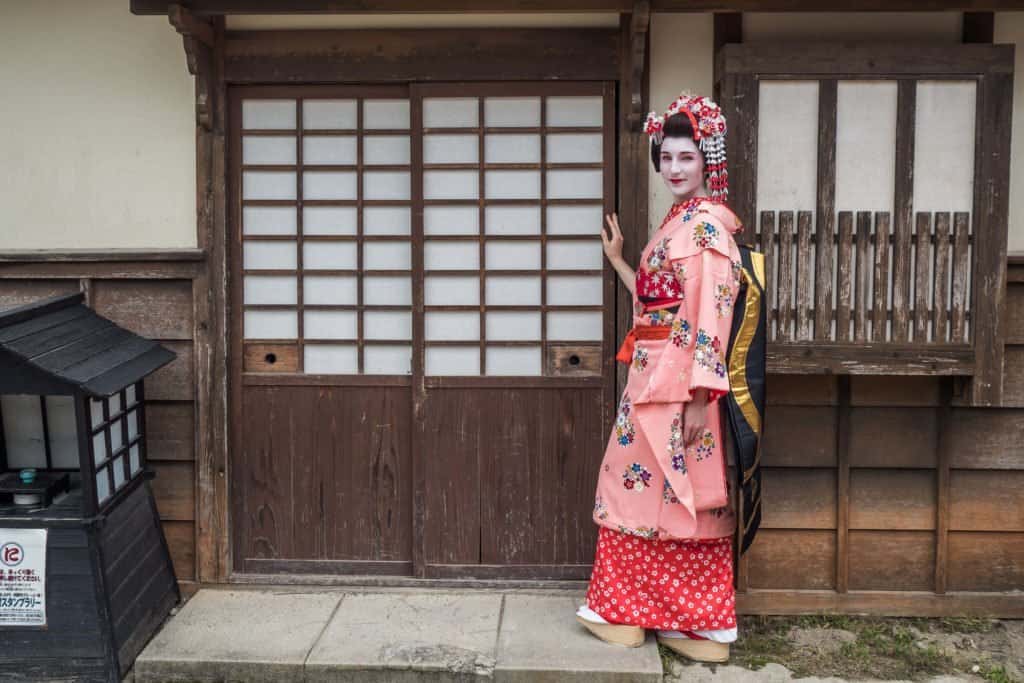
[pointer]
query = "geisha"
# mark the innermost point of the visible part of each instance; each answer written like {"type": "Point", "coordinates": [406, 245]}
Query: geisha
{"type": "Point", "coordinates": [664, 557]}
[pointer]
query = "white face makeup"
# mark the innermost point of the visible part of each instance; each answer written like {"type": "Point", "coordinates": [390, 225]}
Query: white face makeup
{"type": "Point", "coordinates": [682, 168]}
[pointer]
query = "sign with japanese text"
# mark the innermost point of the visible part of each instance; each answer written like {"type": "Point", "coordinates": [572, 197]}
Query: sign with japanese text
{"type": "Point", "coordinates": [22, 577]}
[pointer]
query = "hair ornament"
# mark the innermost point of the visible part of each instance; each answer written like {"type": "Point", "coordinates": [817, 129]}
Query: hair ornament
{"type": "Point", "coordinates": [708, 132]}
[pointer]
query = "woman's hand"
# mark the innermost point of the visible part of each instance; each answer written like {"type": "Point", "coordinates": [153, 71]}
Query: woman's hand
{"type": "Point", "coordinates": [613, 241]}
{"type": "Point", "coordinates": [695, 416]}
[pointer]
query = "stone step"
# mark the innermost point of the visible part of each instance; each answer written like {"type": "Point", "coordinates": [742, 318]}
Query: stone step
{"type": "Point", "coordinates": [282, 635]}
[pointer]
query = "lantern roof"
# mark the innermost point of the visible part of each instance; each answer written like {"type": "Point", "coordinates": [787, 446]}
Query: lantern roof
{"type": "Point", "coordinates": [61, 346]}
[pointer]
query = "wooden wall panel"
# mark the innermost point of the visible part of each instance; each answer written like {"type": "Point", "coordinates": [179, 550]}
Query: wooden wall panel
{"type": "Point", "coordinates": [18, 292]}
{"type": "Point", "coordinates": [906, 390]}
{"type": "Point", "coordinates": [892, 437]}
{"type": "Point", "coordinates": [986, 561]}
{"type": "Point", "coordinates": [174, 490]}
{"type": "Point", "coordinates": [986, 500]}
{"type": "Point", "coordinates": [1013, 377]}
{"type": "Point", "coordinates": [801, 390]}
{"type": "Point", "coordinates": [799, 437]}
{"type": "Point", "coordinates": [171, 430]}
{"type": "Point", "coordinates": [798, 498]}
{"type": "Point", "coordinates": [986, 438]}
{"type": "Point", "coordinates": [892, 499]}
{"type": "Point", "coordinates": [158, 309]}
{"type": "Point", "coordinates": [181, 540]}
{"type": "Point", "coordinates": [1015, 313]}
{"type": "Point", "coordinates": [176, 380]}
{"type": "Point", "coordinates": [892, 560]}
{"type": "Point", "coordinates": [794, 559]}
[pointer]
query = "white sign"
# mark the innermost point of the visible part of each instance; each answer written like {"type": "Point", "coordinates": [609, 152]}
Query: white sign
{"type": "Point", "coordinates": [22, 577]}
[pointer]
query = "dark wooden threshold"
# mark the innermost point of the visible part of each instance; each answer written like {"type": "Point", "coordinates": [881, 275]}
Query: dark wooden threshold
{"type": "Point", "coordinates": [882, 603]}
{"type": "Point", "coordinates": [868, 358]}
{"type": "Point", "coordinates": [99, 255]}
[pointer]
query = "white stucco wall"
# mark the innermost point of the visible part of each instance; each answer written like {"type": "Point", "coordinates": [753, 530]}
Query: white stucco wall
{"type": "Point", "coordinates": [1010, 29]}
{"type": "Point", "coordinates": [97, 129]}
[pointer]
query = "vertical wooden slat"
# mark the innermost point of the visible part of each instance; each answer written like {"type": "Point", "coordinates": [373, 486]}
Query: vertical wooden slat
{"type": "Point", "coordinates": [922, 263]}
{"type": "Point", "coordinates": [978, 27]}
{"type": "Point", "coordinates": [785, 275]}
{"type": "Point", "coordinates": [300, 236]}
{"type": "Point", "coordinates": [943, 429]}
{"type": "Point", "coordinates": [844, 284]}
{"type": "Point", "coordinates": [940, 308]}
{"type": "Point", "coordinates": [419, 390]}
{"type": "Point", "coordinates": [860, 320]}
{"type": "Point", "coordinates": [906, 108]}
{"type": "Point", "coordinates": [880, 303]}
{"type": "Point", "coordinates": [825, 210]}
{"type": "Point", "coordinates": [767, 241]}
{"type": "Point", "coordinates": [360, 210]}
{"type": "Point", "coordinates": [804, 276]}
{"type": "Point", "coordinates": [739, 101]}
{"type": "Point", "coordinates": [961, 272]}
{"type": "Point", "coordinates": [843, 484]}
{"type": "Point", "coordinates": [481, 211]}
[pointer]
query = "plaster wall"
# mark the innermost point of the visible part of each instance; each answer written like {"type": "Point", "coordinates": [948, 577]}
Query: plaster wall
{"type": "Point", "coordinates": [1010, 29]}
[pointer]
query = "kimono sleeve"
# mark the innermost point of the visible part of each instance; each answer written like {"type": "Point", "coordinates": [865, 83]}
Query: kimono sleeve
{"type": "Point", "coordinates": [708, 295]}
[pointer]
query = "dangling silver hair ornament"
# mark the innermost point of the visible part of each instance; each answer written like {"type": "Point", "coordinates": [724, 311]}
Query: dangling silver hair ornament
{"type": "Point", "coordinates": [708, 124]}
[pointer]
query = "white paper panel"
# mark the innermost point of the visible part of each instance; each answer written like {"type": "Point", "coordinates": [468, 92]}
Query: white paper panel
{"type": "Point", "coordinates": [268, 185]}
{"type": "Point", "coordinates": [451, 220]}
{"type": "Point", "coordinates": [330, 289]}
{"type": "Point", "coordinates": [329, 114]}
{"type": "Point", "coordinates": [135, 460]}
{"type": "Point", "coordinates": [517, 360]}
{"type": "Point", "coordinates": [329, 256]}
{"type": "Point", "coordinates": [452, 326]}
{"type": "Point", "coordinates": [378, 114]}
{"type": "Point", "coordinates": [451, 255]}
{"type": "Point", "coordinates": [575, 111]}
{"type": "Point", "coordinates": [450, 112]}
{"type": "Point", "coordinates": [386, 149]}
{"type": "Point", "coordinates": [387, 256]}
{"type": "Point", "coordinates": [60, 421]}
{"type": "Point", "coordinates": [513, 184]}
{"type": "Point", "coordinates": [944, 146]}
{"type": "Point", "coordinates": [23, 431]}
{"type": "Point", "coordinates": [320, 149]}
{"type": "Point", "coordinates": [571, 148]}
{"type": "Point", "coordinates": [96, 412]}
{"type": "Point", "coordinates": [130, 397]}
{"type": "Point", "coordinates": [865, 145]}
{"type": "Point", "coordinates": [570, 184]}
{"type": "Point", "coordinates": [575, 290]}
{"type": "Point", "coordinates": [387, 360]}
{"type": "Point", "coordinates": [99, 449]}
{"type": "Point", "coordinates": [501, 112]}
{"type": "Point", "coordinates": [575, 255]}
{"type": "Point", "coordinates": [512, 149]}
{"type": "Point", "coordinates": [102, 486]}
{"type": "Point", "coordinates": [513, 326]}
{"type": "Point", "coordinates": [450, 184]}
{"type": "Point", "coordinates": [271, 325]}
{"type": "Point", "coordinates": [451, 290]}
{"type": "Point", "coordinates": [270, 289]}
{"type": "Point", "coordinates": [451, 149]}
{"type": "Point", "coordinates": [258, 149]}
{"type": "Point", "coordinates": [512, 290]}
{"type": "Point", "coordinates": [329, 220]}
{"type": "Point", "coordinates": [330, 325]}
{"type": "Point", "coordinates": [114, 404]}
{"type": "Point", "coordinates": [320, 359]}
{"type": "Point", "coordinates": [386, 185]}
{"type": "Point", "coordinates": [116, 437]}
{"type": "Point", "coordinates": [269, 255]}
{"type": "Point", "coordinates": [387, 220]}
{"type": "Point", "coordinates": [574, 326]}
{"type": "Point", "coordinates": [575, 220]}
{"type": "Point", "coordinates": [132, 421]}
{"type": "Point", "coordinates": [329, 185]}
{"type": "Point", "coordinates": [268, 114]}
{"type": "Point", "coordinates": [118, 469]}
{"type": "Point", "coordinates": [447, 360]}
{"type": "Point", "coordinates": [387, 325]}
{"type": "Point", "coordinates": [512, 255]}
{"type": "Point", "coordinates": [387, 290]}
{"type": "Point", "coordinates": [512, 220]}
{"type": "Point", "coordinates": [268, 220]}
{"type": "Point", "coordinates": [787, 130]}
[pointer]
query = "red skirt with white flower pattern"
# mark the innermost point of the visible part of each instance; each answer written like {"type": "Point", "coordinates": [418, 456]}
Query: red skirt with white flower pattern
{"type": "Point", "coordinates": [663, 584]}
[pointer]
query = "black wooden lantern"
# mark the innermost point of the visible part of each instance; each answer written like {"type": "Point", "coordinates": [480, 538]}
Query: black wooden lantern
{"type": "Point", "coordinates": [85, 574]}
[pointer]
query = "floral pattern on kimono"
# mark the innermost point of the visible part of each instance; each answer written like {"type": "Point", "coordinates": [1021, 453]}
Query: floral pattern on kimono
{"type": "Point", "coordinates": [687, 270]}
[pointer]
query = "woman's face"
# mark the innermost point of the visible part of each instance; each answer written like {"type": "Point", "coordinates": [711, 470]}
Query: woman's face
{"type": "Point", "coordinates": [682, 168]}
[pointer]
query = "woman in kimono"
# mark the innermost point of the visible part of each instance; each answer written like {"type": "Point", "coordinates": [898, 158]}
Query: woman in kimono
{"type": "Point", "coordinates": [664, 557]}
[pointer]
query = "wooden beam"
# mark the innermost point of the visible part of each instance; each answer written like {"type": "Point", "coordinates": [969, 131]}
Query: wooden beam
{"type": "Point", "coordinates": [979, 27]}
{"type": "Point", "coordinates": [187, 25]}
{"type": "Point", "coordinates": [817, 358]}
{"type": "Point", "coordinates": [216, 7]}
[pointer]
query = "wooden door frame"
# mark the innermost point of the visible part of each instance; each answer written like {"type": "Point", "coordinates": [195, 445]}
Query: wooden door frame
{"type": "Point", "coordinates": [218, 58]}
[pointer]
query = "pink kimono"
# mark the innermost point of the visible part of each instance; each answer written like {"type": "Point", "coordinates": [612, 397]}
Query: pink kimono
{"type": "Point", "coordinates": [651, 484]}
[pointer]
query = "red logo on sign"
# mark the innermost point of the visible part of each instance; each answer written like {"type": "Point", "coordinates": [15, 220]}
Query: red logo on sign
{"type": "Point", "coordinates": [11, 554]}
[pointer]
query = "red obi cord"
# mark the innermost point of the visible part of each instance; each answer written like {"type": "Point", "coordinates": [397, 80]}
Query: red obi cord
{"type": "Point", "coordinates": [663, 584]}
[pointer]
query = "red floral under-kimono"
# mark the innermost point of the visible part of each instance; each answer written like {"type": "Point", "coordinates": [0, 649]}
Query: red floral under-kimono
{"type": "Point", "coordinates": [664, 555]}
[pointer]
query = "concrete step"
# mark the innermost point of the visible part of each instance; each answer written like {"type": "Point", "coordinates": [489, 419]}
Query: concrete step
{"type": "Point", "coordinates": [285, 635]}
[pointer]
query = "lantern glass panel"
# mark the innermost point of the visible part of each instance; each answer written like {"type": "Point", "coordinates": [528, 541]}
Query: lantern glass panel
{"type": "Point", "coordinates": [63, 432]}
{"type": "Point", "coordinates": [102, 485]}
{"type": "Point", "coordinates": [23, 431]}
{"type": "Point", "coordinates": [96, 412]}
{"type": "Point", "coordinates": [130, 396]}
{"type": "Point", "coordinates": [136, 459]}
{"type": "Point", "coordinates": [114, 403]}
{"type": "Point", "coordinates": [133, 425]}
{"type": "Point", "coordinates": [99, 447]}
{"type": "Point", "coordinates": [118, 472]}
{"type": "Point", "coordinates": [116, 436]}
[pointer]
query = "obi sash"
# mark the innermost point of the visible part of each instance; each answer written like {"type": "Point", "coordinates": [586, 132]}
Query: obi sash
{"type": "Point", "coordinates": [625, 354]}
